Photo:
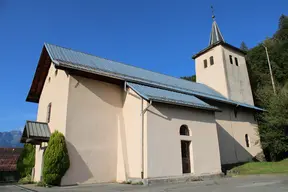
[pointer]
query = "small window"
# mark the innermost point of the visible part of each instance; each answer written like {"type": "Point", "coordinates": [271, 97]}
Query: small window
{"type": "Point", "coordinates": [236, 61]}
{"type": "Point", "coordinates": [247, 140]}
{"type": "Point", "coordinates": [231, 59]}
{"type": "Point", "coordinates": [49, 79]}
{"type": "Point", "coordinates": [211, 60]}
{"type": "Point", "coordinates": [56, 72]}
{"type": "Point", "coordinates": [184, 130]}
{"type": "Point", "coordinates": [48, 112]}
{"type": "Point", "coordinates": [205, 63]}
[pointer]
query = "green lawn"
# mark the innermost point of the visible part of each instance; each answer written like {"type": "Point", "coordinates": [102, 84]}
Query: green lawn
{"type": "Point", "coordinates": [260, 168]}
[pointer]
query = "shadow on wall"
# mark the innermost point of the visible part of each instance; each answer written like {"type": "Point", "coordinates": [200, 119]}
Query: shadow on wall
{"type": "Point", "coordinates": [227, 142]}
{"type": "Point", "coordinates": [124, 154]}
{"type": "Point", "coordinates": [167, 114]}
{"type": "Point", "coordinates": [105, 91]}
{"type": "Point", "coordinates": [78, 165]}
{"type": "Point", "coordinates": [236, 152]}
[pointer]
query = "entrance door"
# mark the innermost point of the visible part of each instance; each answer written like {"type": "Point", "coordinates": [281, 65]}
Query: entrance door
{"type": "Point", "coordinates": [185, 156]}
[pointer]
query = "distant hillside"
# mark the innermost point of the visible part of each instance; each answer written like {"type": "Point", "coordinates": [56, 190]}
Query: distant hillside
{"type": "Point", "coordinates": [10, 139]}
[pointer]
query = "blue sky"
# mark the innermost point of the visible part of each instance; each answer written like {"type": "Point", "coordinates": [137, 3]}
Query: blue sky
{"type": "Point", "coordinates": [160, 35]}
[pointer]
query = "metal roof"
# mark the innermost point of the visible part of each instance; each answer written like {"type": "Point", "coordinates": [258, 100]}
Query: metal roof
{"type": "Point", "coordinates": [215, 35]}
{"type": "Point", "coordinates": [165, 96]}
{"type": "Point", "coordinates": [35, 131]}
{"type": "Point", "coordinates": [92, 64]}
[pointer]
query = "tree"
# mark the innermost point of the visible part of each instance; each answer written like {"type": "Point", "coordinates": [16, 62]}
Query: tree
{"type": "Point", "coordinates": [244, 47]}
{"type": "Point", "coordinates": [282, 33]}
{"type": "Point", "coordinates": [273, 124]}
{"type": "Point", "coordinates": [26, 160]}
{"type": "Point", "coordinates": [281, 21]}
{"type": "Point", "coordinates": [189, 78]}
{"type": "Point", "coordinates": [56, 159]}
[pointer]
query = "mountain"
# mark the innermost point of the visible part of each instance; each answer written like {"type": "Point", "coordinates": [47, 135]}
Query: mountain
{"type": "Point", "coordinates": [10, 139]}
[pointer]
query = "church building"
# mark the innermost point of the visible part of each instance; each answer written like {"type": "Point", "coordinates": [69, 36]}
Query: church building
{"type": "Point", "coordinates": [122, 122]}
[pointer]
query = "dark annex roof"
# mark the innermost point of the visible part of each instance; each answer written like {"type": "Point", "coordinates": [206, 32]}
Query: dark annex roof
{"type": "Point", "coordinates": [91, 66]}
{"type": "Point", "coordinates": [170, 97]}
{"type": "Point", "coordinates": [35, 132]}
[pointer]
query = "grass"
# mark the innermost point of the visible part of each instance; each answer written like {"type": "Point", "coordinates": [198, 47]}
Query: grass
{"type": "Point", "coordinates": [255, 168]}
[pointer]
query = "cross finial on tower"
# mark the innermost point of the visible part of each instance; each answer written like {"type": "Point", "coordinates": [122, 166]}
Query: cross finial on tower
{"type": "Point", "coordinates": [213, 15]}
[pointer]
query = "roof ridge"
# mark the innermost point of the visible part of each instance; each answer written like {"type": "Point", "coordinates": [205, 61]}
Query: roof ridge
{"type": "Point", "coordinates": [36, 122]}
{"type": "Point", "coordinates": [178, 78]}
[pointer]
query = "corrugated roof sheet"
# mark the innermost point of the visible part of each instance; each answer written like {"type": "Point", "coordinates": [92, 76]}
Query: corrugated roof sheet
{"type": "Point", "coordinates": [36, 130]}
{"type": "Point", "coordinates": [165, 96]}
{"type": "Point", "coordinates": [93, 64]}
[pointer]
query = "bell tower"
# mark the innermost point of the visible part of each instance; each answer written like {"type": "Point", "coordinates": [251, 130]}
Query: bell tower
{"type": "Point", "coordinates": [222, 67]}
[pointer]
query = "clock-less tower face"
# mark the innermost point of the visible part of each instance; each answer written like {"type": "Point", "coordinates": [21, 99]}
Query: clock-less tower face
{"type": "Point", "coordinates": [222, 67]}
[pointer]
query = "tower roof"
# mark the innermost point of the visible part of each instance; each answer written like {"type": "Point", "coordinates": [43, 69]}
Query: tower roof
{"type": "Point", "coordinates": [215, 35]}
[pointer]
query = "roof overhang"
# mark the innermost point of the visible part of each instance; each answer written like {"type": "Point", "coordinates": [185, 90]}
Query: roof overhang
{"type": "Point", "coordinates": [35, 133]}
{"type": "Point", "coordinates": [170, 97]}
{"type": "Point", "coordinates": [39, 77]}
{"type": "Point", "coordinates": [224, 44]}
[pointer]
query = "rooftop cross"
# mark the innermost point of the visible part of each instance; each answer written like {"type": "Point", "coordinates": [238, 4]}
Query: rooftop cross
{"type": "Point", "coordinates": [213, 15]}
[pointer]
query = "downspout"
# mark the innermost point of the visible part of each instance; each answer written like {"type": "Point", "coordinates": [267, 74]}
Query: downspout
{"type": "Point", "coordinates": [142, 135]}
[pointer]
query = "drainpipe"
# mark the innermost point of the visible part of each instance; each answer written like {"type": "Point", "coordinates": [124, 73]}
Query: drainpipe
{"type": "Point", "coordinates": [142, 135]}
{"type": "Point", "coordinates": [143, 111]}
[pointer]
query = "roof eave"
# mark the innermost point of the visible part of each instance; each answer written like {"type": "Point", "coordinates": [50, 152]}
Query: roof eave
{"type": "Point", "coordinates": [188, 105]}
{"type": "Point", "coordinates": [170, 102]}
{"type": "Point", "coordinates": [39, 77]}
{"type": "Point", "coordinates": [216, 44]}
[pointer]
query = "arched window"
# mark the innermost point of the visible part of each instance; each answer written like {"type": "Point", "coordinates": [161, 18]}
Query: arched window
{"type": "Point", "coordinates": [247, 140]}
{"type": "Point", "coordinates": [184, 130]}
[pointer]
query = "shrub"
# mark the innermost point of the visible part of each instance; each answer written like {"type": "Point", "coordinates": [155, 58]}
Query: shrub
{"type": "Point", "coordinates": [41, 184]}
{"type": "Point", "coordinates": [56, 159]}
{"type": "Point", "coordinates": [26, 161]}
{"type": "Point", "coordinates": [26, 180]}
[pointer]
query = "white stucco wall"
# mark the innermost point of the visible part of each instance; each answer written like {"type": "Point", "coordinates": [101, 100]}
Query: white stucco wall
{"type": "Point", "coordinates": [214, 75]}
{"type": "Point", "coordinates": [129, 161]}
{"type": "Point", "coordinates": [94, 114]}
{"type": "Point", "coordinates": [228, 79]}
{"type": "Point", "coordinates": [55, 91]}
{"type": "Point", "coordinates": [103, 125]}
{"type": "Point", "coordinates": [237, 77]}
{"type": "Point", "coordinates": [164, 141]}
{"type": "Point", "coordinates": [231, 134]}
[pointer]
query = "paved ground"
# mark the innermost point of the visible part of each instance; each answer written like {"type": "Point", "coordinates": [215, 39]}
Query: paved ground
{"type": "Point", "coordinates": [10, 188]}
{"type": "Point", "coordinates": [274, 183]}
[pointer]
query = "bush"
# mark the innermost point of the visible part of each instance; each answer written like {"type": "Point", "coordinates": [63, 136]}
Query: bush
{"type": "Point", "coordinates": [41, 184]}
{"type": "Point", "coordinates": [56, 159]}
{"type": "Point", "coordinates": [26, 180]}
{"type": "Point", "coordinates": [26, 161]}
